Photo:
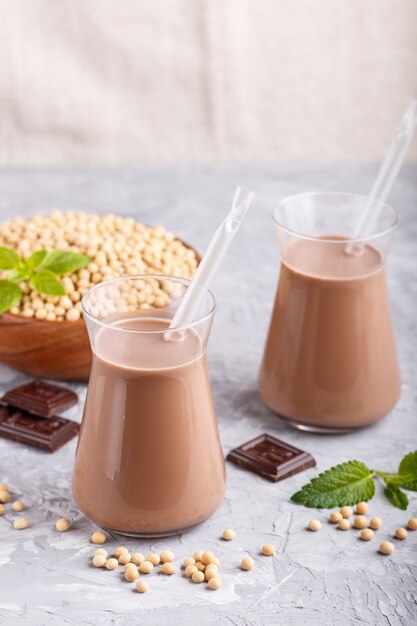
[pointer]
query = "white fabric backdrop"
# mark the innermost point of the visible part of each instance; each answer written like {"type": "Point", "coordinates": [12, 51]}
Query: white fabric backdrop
{"type": "Point", "coordinates": [141, 81]}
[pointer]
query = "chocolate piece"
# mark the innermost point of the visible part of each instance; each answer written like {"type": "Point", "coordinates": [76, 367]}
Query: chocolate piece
{"type": "Point", "coordinates": [46, 433]}
{"type": "Point", "coordinates": [40, 398]}
{"type": "Point", "coordinates": [270, 457]}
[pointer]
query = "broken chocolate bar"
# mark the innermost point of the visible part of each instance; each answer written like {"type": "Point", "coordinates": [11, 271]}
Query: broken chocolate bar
{"type": "Point", "coordinates": [48, 433]}
{"type": "Point", "coordinates": [40, 398]}
{"type": "Point", "coordinates": [270, 457]}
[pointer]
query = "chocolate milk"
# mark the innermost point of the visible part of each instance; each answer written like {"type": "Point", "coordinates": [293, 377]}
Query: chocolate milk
{"type": "Point", "coordinates": [330, 358]}
{"type": "Point", "coordinates": [149, 459]}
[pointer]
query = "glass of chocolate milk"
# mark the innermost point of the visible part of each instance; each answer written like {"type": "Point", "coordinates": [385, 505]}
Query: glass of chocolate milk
{"type": "Point", "coordinates": [149, 460]}
{"type": "Point", "coordinates": [330, 361]}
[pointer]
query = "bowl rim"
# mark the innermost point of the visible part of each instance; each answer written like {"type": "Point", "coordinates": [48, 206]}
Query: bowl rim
{"type": "Point", "coordinates": [32, 320]}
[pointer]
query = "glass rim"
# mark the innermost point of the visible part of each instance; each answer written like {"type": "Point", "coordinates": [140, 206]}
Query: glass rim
{"type": "Point", "coordinates": [343, 240]}
{"type": "Point", "coordinates": [131, 277]}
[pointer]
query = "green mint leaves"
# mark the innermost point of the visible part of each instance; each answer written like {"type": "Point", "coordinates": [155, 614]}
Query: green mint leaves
{"type": "Point", "coordinates": [64, 261]}
{"type": "Point", "coordinates": [36, 259]}
{"type": "Point", "coordinates": [41, 270]}
{"type": "Point", "coordinates": [397, 497]}
{"type": "Point", "coordinates": [10, 294]}
{"type": "Point", "coordinates": [46, 282]}
{"type": "Point", "coordinates": [408, 471]}
{"type": "Point", "coordinates": [9, 259]}
{"type": "Point", "coordinates": [347, 483]}
{"type": "Point", "coordinates": [353, 482]}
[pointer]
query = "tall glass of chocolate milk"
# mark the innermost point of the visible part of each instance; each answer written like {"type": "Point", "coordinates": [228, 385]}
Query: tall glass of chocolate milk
{"type": "Point", "coordinates": [149, 460]}
{"type": "Point", "coordinates": [330, 361]}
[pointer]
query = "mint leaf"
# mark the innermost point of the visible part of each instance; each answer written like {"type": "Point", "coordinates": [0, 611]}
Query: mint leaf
{"type": "Point", "coordinates": [64, 261]}
{"type": "Point", "coordinates": [9, 259]}
{"type": "Point", "coordinates": [341, 485]}
{"type": "Point", "coordinates": [397, 497]}
{"type": "Point", "coordinates": [36, 259]}
{"type": "Point", "coordinates": [408, 471]}
{"type": "Point", "coordinates": [20, 273]}
{"type": "Point", "coordinates": [10, 295]}
{"type": "Point", "coordinates": [46, 282]}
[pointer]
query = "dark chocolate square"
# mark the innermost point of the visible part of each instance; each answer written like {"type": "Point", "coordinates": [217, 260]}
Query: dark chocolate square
{"type": "Point", "coordinates": [46, 433]}
{"type": "Point", "coordinates": [40, 398]}
{"type": "Point", "coordinates": [271, 457]}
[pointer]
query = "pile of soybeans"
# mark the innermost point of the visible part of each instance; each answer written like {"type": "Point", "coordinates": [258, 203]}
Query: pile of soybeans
{"type": "Point", "coordinates": [116, 246]}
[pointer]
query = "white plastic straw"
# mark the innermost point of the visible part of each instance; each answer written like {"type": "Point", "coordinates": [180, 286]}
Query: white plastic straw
{"type": "Point", "coordinates": [213, 256]}
{"type": "Point", "coordinates": [388, 171]}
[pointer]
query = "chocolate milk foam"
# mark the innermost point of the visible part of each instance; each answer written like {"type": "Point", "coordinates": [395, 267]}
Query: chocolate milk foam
{"type": "Point", "coordinates": [149, 459]}
{"type": "Point", "coordinates": [330, 357]}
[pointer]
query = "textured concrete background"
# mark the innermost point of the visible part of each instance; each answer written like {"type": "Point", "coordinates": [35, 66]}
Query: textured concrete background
{"type": "Point", "coordinates": [325, 578]}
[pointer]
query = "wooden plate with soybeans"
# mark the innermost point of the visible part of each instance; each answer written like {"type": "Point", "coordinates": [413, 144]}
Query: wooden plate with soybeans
{"type": "Point", "coordinates": [48, 262]}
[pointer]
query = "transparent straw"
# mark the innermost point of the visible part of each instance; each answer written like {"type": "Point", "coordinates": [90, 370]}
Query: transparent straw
{"type": "Point", "coordinates": [213, 256]}
{"type": "Point", "coordinates": [387, 174]}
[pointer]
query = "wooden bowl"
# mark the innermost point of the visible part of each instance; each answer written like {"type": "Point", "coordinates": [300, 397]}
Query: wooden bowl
{"type": "Point", "coordinates": [57, 350]}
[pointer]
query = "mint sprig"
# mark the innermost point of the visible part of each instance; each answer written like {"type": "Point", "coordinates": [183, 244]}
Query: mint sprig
{"type": "Point", "coordinates": [352, 482]}
{"type": "Point", "coordinates": [41, 270]}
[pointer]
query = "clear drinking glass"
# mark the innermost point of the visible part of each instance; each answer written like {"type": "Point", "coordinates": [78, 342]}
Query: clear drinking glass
{"type": "Point", "coordinates": [149, 460]}
{"type": "Point", "coordinates": [330, 361]}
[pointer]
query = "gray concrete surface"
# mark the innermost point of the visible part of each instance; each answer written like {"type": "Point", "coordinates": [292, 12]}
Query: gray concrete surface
{"type": "Point", "coordinates": [325, 578]}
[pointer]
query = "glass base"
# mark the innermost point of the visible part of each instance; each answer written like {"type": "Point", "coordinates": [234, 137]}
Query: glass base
{"type": "Point", "coordinates": [143, 535]}
{"type": "Point", "coordinates": [315, 428]}
{"type": "Point", "coordinates": [153, 535]}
